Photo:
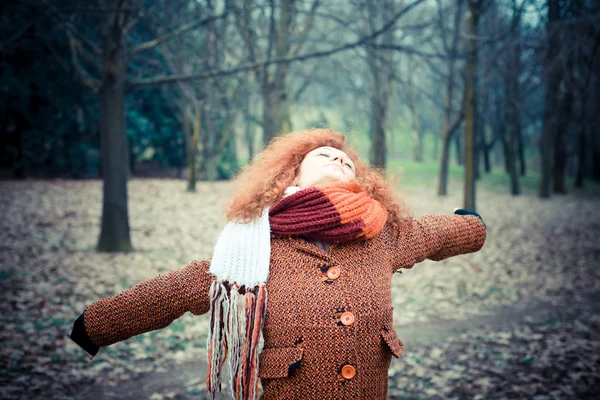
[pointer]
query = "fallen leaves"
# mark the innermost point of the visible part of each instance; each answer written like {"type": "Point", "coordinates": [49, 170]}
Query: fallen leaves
{"type": "Point", "coordinates": [49, 272]}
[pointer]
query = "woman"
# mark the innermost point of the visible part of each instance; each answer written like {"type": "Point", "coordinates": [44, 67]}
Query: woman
{"type": "Point", "coordinates": [313, 240]}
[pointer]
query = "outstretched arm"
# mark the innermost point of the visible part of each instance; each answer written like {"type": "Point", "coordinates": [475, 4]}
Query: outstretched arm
{"type": "Point", "coordinates": [150, 305]}
{"type": "Point", "coordinates": [437, 237]}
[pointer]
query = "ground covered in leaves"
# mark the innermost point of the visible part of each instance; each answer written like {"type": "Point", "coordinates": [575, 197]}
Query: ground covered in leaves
{"type": "Point", "coordinates": [540, 266]}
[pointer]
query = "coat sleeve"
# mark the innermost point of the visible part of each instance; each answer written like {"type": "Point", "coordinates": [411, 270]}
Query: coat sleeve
{"type": "Point", "coordinates": [150, 305]}
{"type": "Point", "coordinates": [436, 237]}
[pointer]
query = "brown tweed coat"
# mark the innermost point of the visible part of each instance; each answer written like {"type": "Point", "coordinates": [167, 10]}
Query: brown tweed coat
{"type": "Point", "coordinates": [328, 332]}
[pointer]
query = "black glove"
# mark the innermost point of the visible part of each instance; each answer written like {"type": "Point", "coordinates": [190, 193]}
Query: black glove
{"type": "Point", "coordinates": [80, 336]}
{"type": "Point", "coordinates": [461, 211]}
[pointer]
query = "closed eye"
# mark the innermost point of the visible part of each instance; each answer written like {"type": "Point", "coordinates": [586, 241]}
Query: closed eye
{"type": "Point", "coordinates": [326, 155]}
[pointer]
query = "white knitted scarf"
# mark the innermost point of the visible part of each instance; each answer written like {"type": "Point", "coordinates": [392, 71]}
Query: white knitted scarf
{"type": "Point", "coordinates": [241, 257]}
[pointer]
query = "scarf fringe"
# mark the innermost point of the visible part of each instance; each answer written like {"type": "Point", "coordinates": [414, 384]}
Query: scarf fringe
{"type": "Point", "coordinates": [228, 326]}
{"type": "Point", "coordinates": [233, 341]}
{"type": "Point", "coordinates": [214, 342]}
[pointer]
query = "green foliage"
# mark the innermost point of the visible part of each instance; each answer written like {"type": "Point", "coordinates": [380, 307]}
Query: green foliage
{"type": "Point", "coordinates": [40, 101]}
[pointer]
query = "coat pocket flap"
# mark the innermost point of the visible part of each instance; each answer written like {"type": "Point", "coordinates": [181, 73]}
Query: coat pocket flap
{"type": "Point", "coordinates": [389, 336]}
{"type": "Point", "coordinates": [278, 362]}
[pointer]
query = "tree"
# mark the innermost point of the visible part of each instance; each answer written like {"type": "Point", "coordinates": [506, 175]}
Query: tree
{"type": "Point", "coordinates": [472, 18]}
{"type": "Point", "coordinates": [551, 90]}
{"type": "Point", "coordinates": [284, 29]}
{"type": "Point", "coordinates": [381, 67]}
{"type": "Point", "coordinates": [513, 105]}
{"type": "Point", "coordinates": [119, 18]}
{"type": "Point", "coordinates": [450, 125]}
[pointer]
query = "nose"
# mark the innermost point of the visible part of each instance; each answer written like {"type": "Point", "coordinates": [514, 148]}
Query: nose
{"type": "Point", "coordinates": [340, 158]}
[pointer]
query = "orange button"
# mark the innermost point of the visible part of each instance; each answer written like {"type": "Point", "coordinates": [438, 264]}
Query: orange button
{"type": "Point", "coordinates": [333, 272]}
{"type": "Point", "coordinates": [347, 318]}
{"type": "Point", "coordinates": [348, 371]}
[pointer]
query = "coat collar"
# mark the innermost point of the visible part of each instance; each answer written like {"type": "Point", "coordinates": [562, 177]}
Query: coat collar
{"type": "Point", "coordinates": [303, 245]}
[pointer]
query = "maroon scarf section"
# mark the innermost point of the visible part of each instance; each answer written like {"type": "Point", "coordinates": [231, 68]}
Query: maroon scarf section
{"type": "Point", "coordinates": [311, 213]}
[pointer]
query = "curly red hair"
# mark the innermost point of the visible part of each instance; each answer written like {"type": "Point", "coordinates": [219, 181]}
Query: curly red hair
{"type": "Point", "coordinates": [263, 181]}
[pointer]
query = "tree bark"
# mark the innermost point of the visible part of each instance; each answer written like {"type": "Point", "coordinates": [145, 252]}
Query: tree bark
{"type": "Point", "coordinates": [512, 117]}
{"type": "Point", "coordinates": [443, 183]}
{"type": "Point", "coordinates": [276, 112]}
{"type": "Point", "coordinates": [521, 146]}
{"type": "Point", "coordinates": [581, 159]}
{"type": "Point", "coordinates": [270, 114]}
{"type": "Point", "coordinates": [551, 90]}
{"type": "Point", "coordinates": [595, 136]}
{"type": "Point", "coordinates": [416, 133]}
{"type": "Point", "coordinates": [449, 128]}
{"type": "Point", "coordinates": [211, 152]}
{"type": "Point", "coordinates": [114, 235]}
{"type": "Point", "coordinates": [193, 145]}
{"type": "Point", "coordinates": [512, 100]}
{"type": "Point", "coordinates": [460, 151]}
{"type": "Point", "coordinates": [485, 150]}
{"type": "Point", "coordinates": [381, 66]}
{"type": "Point", "coordinates": [249, 128]}
{"type": "Point", "coordinates": [472, 19]}
{"type": "Point", "coordinates": [377, 154]}
{"type": "Point", "coordinates": [565, 112]}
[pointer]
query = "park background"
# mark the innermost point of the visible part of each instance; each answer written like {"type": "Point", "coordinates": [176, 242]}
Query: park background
{"type": "Point", "coordinates": [124, 121]}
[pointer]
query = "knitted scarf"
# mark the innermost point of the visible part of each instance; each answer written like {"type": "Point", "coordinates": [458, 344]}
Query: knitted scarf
{"type": "Point", "coordinates": [335, 212]}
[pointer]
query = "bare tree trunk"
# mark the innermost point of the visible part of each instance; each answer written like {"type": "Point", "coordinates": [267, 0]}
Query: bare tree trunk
{"type": "Point", "coordinates": [460, 151]}
{"type": "Point", "coordinates": [472, 19]}
{"type": "Point", "coordinates": [596, 151]}
{"type": "Point", "coordinates": [436, 146]}
{"type": "Point", "coordinates": [377, 154]}
{"type": "Point", "coordinates": [521, 145]}
{"type": "Point", "coordinates": [114, 235]}
{"type": "Point", "coordinates": [560, 143]}
{"type": "Point", "coordinates": [249, 128]}
{"type": "Point", "coordinates": [512, 101]}
{"type": "Point", "coordinates": [449, 128]}
{"type": "Point", "coordinates": [595, 136]}
{"type": "Point", "coordinates": [443, 186]}
{"type": "Point", "coordinates": [275, 96]}
{"type": "Point", "coordinates": [486, 148]}
{"type": "Point", "coordinates": [581, 161]}
{"type": "Point", "coordinates": [382, 68]}
{"type": "Point", "coordinates": [515, 188]}
{"type": "Point", "coordinates": [193, 147]}
{"type": "Point", "coordinates": [211, 151]}
{"type": "Point", "coordinates": [417, 140]}
{"type": "Point", "coordinates": [443, 181]}
{"type": "Point", "coordinates": [270, 115]}
{"type": "Point", "coordinates": [551, 90]}
{"type": "Point", "coordinates": [276, 107]}
{"type": "Point", "coordinates": [416, 123]}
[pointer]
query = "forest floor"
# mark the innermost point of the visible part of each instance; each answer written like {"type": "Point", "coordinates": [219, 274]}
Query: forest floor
{"type": "Point", "coordinates": [518, 319]}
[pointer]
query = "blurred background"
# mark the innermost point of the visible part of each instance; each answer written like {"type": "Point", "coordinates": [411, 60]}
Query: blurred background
{"type": "Point", "coordinates": [123, 121]}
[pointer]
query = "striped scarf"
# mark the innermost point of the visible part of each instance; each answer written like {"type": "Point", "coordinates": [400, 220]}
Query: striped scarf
{"type": "Point", "coordinates": [334, 212]}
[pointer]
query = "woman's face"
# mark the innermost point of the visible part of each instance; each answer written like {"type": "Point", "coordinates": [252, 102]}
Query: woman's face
{"type": "Point", "coordinates": [325, 165]}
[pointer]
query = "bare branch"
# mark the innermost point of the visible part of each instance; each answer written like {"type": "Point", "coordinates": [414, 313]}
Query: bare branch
{"type": "Point", "coordinates": [177, 32]}
{"type": "Point", "coordinates": [85, 77]}
{"type": "Point", "coordinates": [16, 35]}
{"type": "Point", "coordinates": [70, 28]}
{"type": "Point", "coordinates": [307, 27]}
{"type": "Point", "coordinates": [411, 50]}
{"type": "Point", "coordinates": [256, 65]}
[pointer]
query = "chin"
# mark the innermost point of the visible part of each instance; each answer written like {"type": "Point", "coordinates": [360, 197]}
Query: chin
{"type": "Point", "coordinates": [327, 180]}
